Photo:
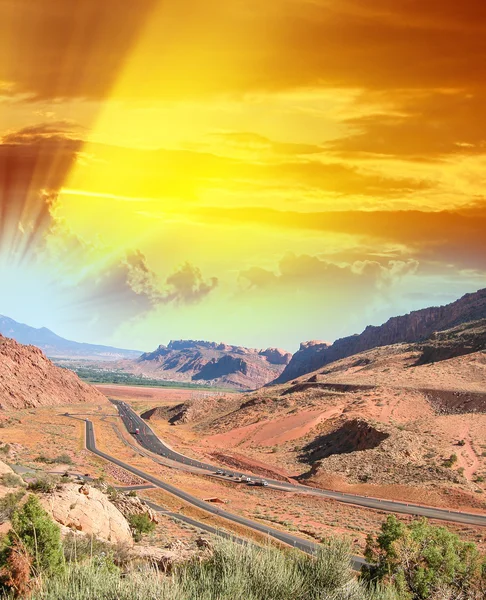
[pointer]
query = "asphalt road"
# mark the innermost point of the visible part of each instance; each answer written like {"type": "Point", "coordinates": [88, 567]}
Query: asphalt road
{"type": "Point", "coordinates": [147, 438]}
{"type": "Point", "coordinates": [287, 538]}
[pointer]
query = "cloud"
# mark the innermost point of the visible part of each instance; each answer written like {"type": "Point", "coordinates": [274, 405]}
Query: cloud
{"type": "Point", "coordinates": [65, 50]}
{"type": "Point", "coordinates": [187, 285]}
{"type": "Point", "coordinates": [420, 125]}
{"type": "Point", "coordinates": [452, 236]}
{"type": "Point", "coordinates": [306, 273]}
{"type": "Point", "coordinates": [34, 163]}
{"type": "Point", "coordinates": [59, 49]}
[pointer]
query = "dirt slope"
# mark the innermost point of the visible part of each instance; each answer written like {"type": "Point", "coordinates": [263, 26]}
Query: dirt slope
{"type": "Point", "coordinates": [384, 422]}
{"type": "Point", "coordinates": [28, 379]}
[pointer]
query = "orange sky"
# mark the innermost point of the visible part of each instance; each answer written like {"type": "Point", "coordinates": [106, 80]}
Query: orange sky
{"type": "Point", "coordinates": [256, 173]}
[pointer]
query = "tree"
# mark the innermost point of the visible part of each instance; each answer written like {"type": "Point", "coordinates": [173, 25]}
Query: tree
{"type": "Point", "coordinates": [41, 537]}
{"type": "Point", "coordinates": [420, 559]}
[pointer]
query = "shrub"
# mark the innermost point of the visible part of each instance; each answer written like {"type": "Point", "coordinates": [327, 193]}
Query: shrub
{"type": "Point", "coordinates": [42, 484]}
{"type": "Point", "coordinates": [140, 524]}
{"type": "Point", "coordinates": [15, 573]}
{"type": "Point", "coordinates": [5, 449]}
{"type": "Point", "coordinates": [8, 504]}
{"type": "Point", "coordinates": [11, 480]}
{"type": "Point", "coordinates": [418, 560]}
{"type": "Point", "coordinates": [39, 534]}
{"type": "Point", "coordinates": [233, 572]}
{"type": "Point", "coordinates": [132, 494]}
{"type": "Point", "coordinates": [61, 459]}
{"type": "Point", "coordinates": [450, 461]}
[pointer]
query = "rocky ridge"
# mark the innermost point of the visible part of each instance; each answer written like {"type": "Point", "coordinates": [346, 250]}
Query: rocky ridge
{"type": "Point", "coordinates": [416, 326]}
{"type": "Point", "coordinates": [211, 363]}
{"type": "Point", "coordinates": [28, 379]}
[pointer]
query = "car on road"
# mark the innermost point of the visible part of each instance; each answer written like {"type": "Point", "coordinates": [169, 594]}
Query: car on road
{"type": "Point", "coordinates": [261, 482]}
{"type": "Point", "coordinates": [137, 431]}
{"type": "Point", "coordinates": [219, 472]}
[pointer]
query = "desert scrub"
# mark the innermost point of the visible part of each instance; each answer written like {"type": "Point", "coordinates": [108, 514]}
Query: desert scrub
{"type": "Point", "coordinates": [11, 480]}
{"type": "Point", "coordinates": [8, 505]}
{"type": "Point", "coordinates": [140, 524]}
{"type": "Point", "coordinates": [233, 572]}
{"type": "Point", "coordinates": [38, 535]}
{"type": "Point", "coordinates": [421, 561]}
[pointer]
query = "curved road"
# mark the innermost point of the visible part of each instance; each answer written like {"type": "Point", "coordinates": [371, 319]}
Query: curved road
{"type": "Point", "coordinates": [147, 438]}
{"type": "Point", "coordinates": [287, 538]}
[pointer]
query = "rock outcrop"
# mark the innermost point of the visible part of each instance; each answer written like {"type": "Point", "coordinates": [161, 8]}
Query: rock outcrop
{"type": "Point", "coordinates": [211, 363]}
{"type": "Point", "coordinates": [416, 326]}
{"type": "Point", "coordinates": [86, 509]}
{"type": "Point", "coordinates": [28, 379]}
{"type": "Point", "coordinates": [133, 505]}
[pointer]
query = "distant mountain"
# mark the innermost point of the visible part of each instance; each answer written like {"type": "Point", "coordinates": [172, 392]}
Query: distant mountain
{"type": "Point", "coordinates": [416, 326]}
{"type": "Point", "coordinates": [55, 346]}
{"type": "Point", "coordinates": [212, 363]}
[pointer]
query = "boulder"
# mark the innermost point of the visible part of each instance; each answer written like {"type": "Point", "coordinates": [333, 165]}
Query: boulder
{"type": "Point", "coordinates": [86, 509]}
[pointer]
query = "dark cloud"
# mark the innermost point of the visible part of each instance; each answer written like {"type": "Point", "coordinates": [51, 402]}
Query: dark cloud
{"type": "Point", "coordinates": [187, 285]}
{"type": "Point", "coordinates": [34, 163]}
{"type": "Point", "coordinates": [424, 125]}
{"type": "Point", "coordinates": [456, 237]}
{"type": "Point", "coordinates": [67, 49]}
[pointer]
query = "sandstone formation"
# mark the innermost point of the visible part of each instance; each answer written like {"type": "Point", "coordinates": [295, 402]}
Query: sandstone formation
{"type": "Point", "coordinates": [133, 505]}
{"type": "Point", "coordinates": [211, 363]}
{"type": "Point", "coordinates": [417, 326]}
{"type": "Point", "coordinates": [86, 509]}
{"type": "Point", "coordinates": [28, 380]}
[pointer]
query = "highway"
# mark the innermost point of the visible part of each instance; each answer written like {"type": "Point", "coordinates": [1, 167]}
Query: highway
{"type": "Point", "coordinates": [148, 440]}
{"type": "Point", "coordinates": [282, 536]}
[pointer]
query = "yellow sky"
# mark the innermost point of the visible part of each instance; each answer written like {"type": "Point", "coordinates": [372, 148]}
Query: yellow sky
{"type": "Point", "coordinates": [254, 173]}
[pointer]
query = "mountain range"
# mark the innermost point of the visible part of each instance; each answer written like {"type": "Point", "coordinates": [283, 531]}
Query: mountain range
{"type": "Point", "coordinates": [55, 346]}
{"type": "Point", "coordinates": [213, 363]}
{"type": "Point", "coordinates": [416, 326]}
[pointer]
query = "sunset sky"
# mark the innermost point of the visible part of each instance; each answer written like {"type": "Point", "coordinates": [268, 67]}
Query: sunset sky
{"type": "Point", "coordinates": [259, 173]}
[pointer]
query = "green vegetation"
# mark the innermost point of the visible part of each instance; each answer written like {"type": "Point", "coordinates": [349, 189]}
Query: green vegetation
{"type": "Point", "coordinates": [44, 484]}
{"type": "Point", "coordinates": [411, 562]}
{"type": "Point", "coordinates": [8, 504]}
{"type": "Point", "coordinates": [233, 572]}
{"type": "Point", "coordinates": [420, 562]}
{"type": "Point", "coordinates": [140, 524]}
{"type": "Point", "coordinates": [37, 535]}
{"type": "Point", "coordinates": [11, 480]}
{"type": "Point", "coordinates": [449, 462]}
{"type": "Point", "coordinates": [62, 459]}
{"type": "Point", "coordinates": [96, 376]}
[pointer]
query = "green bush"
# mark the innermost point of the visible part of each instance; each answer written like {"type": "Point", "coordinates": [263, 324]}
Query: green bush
{"type": "Point", "coordinates": [140, 524]}
{"type": "Point", "coordinates": [450, 461]}
{"type": "Point", "coordinates": [42, 484]}
{"type": "Point", "coordinates": [39, 534]}
{"type": "Point", "coordinates": [8, 504]}
{"type": "Point", "coordinates": [63, 459]}
{"type": "Point", "coordinates": [420, 560]}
